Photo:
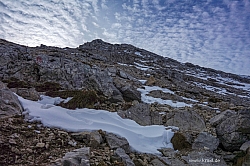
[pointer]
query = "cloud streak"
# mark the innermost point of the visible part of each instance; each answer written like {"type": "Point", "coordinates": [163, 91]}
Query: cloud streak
{"type": "Point", "coordinates": [211, 33]}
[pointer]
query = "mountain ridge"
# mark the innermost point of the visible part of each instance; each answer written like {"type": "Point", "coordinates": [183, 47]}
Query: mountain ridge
{"type": "Point", "coordinates": [210, 107]}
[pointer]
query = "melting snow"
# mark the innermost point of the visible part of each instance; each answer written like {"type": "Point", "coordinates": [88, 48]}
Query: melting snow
{"type": "Point", "coordinates": [138, 53]}
{"type": "Point", "coordinates": [142, 81]}
{"type": "Point", "coordinates": [146, 139]}
{"type": "Point", "coordinates": [141, 67]}
{"type": "Point", "coordinates": [149, 99]}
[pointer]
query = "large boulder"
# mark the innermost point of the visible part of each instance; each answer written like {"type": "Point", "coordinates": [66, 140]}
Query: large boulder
{"type": "Point", "coordinates": [234, 130]}
{"type": "Point", "coordinates": [206, 141]}
{"type": "Point", "coordinates": [77, 157]}
{"type": "Point", "coordinates": [127, 89]}
{"type": "Point", "coordinates": [186, 120]}
{"type": "Point", "coordinates": [114, 141]}
{"type": "Point", "coordinates": [221, 117]}
{"type": "Point", "coordinates": [91, 138]}
{"type": "Point", "coordinates": [102, 82]}
{"type": "Point", "coordinates": [142, 114]}
{"type": "Point", "coordinates": [9, 103]}
{"type": "Point", "coordinates": [129, 93]}
{"type": "Point", "coordinates": [28, 93]}
{"type": "Point", "coordinates": [119, 152]}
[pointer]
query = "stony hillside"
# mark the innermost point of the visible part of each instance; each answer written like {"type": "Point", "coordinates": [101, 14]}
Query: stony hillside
{"type": "Point", "coordinates": [211, 108]}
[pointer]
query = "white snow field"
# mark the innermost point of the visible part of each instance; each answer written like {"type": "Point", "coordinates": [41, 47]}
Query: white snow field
{"type": "Point", "coordinates": [146, 139]}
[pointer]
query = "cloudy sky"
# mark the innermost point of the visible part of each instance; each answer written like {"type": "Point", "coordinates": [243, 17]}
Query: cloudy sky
{"type": "Point", "coordinates": [210, 33]}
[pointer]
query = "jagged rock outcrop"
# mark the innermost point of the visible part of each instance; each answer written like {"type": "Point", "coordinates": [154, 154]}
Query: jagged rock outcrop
{"type": "Point", "coordinates": [234, 130]}
{"type": "Point", "coordinates": [102, 82]}
{"type": "Point", "coordinates": [142, 114]}
{"type": "Point", "coordinates": [114, 141]}
{"type": "Point", "coordinates": [9, 103]}
{"type": "Point", "coordinates": [129, 92]}
{"type": "Point", "coordinates": [120, 153]}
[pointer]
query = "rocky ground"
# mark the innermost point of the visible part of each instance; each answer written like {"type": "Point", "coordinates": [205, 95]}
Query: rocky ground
{"type": "Point", "coordinates": [211, 108]}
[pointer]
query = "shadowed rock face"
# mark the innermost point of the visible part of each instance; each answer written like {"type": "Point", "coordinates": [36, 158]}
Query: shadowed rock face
{"type": "Point", "coordinates": [9, 103]}
{"type": "Point", "coordinates": [234, 130]}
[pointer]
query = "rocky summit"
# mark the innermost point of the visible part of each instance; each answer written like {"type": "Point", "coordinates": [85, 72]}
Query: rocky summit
{"type": "Point", "coordinates": [208, 110]}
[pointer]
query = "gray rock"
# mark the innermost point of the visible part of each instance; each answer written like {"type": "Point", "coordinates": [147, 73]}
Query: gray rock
{"type": "Point", "coordinates": [116, 98]}
{"type": "Point", "coordinates": [186, 121]}
{"type": "Point", "coordinates": [28, 93]}
{"type": "Point", "coordinates": [203, 158]}
{"type": "Point", "coordinates": [157, 162]}
{"type": "Point", "coordinates": [123, 74]}
{"type": "Point", "coordinates": [124, 157]}
{"type": "Point", "coordinates": [130, 93]}
{"type": "Point", "coordinates": [82, 136]}
{"type": "Point", "coordinates": [235, 130]}
{"type": "Point", "coordinates": [127, 89]}
{"type": "Point", "coordinates": [111, 71]}
{"type": "Point", "coordinates": [78, 157]}
{"type": "Point", "coordinates": [168, 152]}
{"type": "Point", "coordinates": [244, 121]}
{"type": "Point", "coordinates": [40, 145]}
{"type": "Point", "coordinates": [221, 117]}
{"type": "Point", "coordinates": [101, 81]}
{"type": "Point", "coordinates": [99, 57]}
{"type": "Point", "coordinates": [206, 141]}
{"type": "Point", "coordinates": [9, 103]}
{"type": "Point", "coordinates": [95, 139]}
{"type": "Point", "coordinates": [141, 114]}
{"type": "Point", "coordinates": [2, 85]}
{"type": "Point", "coordinates": [114, 141]}
{"type": "Point", "coordinates": [244, 147]}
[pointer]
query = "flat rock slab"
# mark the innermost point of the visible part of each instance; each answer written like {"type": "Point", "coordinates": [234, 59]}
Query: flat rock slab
{"type": "Point", "coordinates": [77, 157]}
{"type": "Point", "coordinates": [142, 114]}
{"type": "Point", "coordinates": [186, 121]}
{"type": "Point", "coordinates": [206, 141]}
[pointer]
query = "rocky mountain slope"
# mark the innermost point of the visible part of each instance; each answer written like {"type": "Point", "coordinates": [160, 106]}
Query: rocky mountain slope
{"type": "Point", "coordinates": [211, 108]}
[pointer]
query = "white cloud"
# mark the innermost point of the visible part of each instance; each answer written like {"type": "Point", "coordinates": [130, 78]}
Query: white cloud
{"type": "Point", "coordinates": [205, 33]}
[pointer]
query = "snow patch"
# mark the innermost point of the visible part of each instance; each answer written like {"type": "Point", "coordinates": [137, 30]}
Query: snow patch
{"type": "Point", "coordinates": [146, 139]}
{"type": "Point", "coordinates": [149, 99]}
{"type": "Point", "coordinates": [138, 53]}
